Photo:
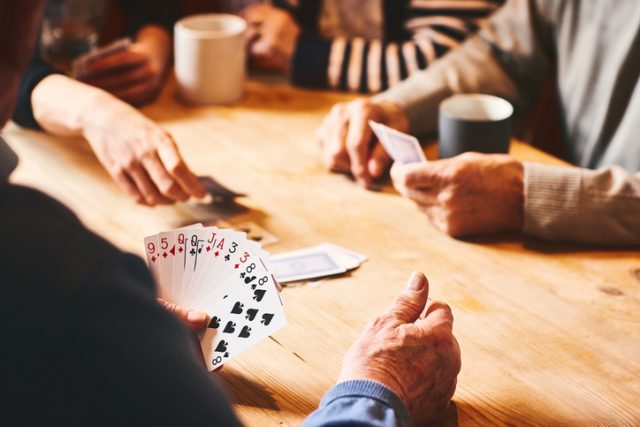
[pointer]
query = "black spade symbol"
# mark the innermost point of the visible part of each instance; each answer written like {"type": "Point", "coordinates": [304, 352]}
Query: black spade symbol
{"type": "Point", "coordinates": [215, 323]}
{"type": "Point", "coordinates": [245, 332]}
{"type": "Point", "coordinates": [258, 294]}
{"type": "Point", "coordinates": [221, 347]}
{"type": "Point", "coordinates": [254, 286]}
{"type": "Point", "coordinates": [266, 318]}
{"type": "Point", "coordinates": [230, 327]}
{"type": "Point", "coordinates": [251, 313]}
{"type": "Point", "coordinates": [237, 307]}
{"type": "Point", "coordinates": [248, 279]}
{"type": "Point", "coordinates": [226, 355]}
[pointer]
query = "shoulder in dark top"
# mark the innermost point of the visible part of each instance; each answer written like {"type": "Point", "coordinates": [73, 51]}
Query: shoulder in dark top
{"type": "Point", "coordinates": [84, 341]}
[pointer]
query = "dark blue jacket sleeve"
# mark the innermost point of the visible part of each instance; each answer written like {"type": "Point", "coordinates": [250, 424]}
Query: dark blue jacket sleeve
{"type": "Point", "coordinates": [360, 403]}
{"type": "Point", "coordinates": [35, 72]}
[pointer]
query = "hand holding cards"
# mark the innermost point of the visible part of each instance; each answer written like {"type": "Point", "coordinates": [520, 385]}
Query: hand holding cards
{"type": "Point", "coordinates": [80, 64]}
{"type": "Point", "coordinates": [401, 147]}
{"type": "Point", "coordinates": [220, 272]}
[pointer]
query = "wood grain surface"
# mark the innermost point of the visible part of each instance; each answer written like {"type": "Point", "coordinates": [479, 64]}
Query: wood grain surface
{"type": "Point", "coordinates": [550, 334]}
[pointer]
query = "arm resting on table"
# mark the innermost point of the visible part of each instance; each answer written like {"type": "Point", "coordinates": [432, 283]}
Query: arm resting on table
{"type": "Point", "coordinates": [582, 205]}
{"type": "Point", "coordinates": [360, 403]}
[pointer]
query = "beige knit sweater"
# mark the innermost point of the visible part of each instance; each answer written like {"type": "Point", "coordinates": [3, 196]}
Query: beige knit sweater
{"type": "Point", "coordinates": [594, 47]}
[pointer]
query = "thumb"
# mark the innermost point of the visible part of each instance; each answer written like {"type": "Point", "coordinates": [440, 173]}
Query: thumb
{"type": "Point", "coordinates": [408, 306]}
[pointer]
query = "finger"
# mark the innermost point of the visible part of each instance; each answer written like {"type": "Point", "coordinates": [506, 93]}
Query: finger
{"type": "Point", "coordinates": [175, 165]}
{"type": "Point", "coordinates": [164, 182]}
{"type": "Point", "coordinates": [252, 34]}
{"type": "Point", "coordinates": [332, 138]}
{"type": "Point", "coordinates": [121, 78]}
{"type": "Point", "coordinates": [195, 319]}
{"type": "Point", "coordinates": [144, 184]}
{"type": "Point", "coordinates": [408, 306]}
{"type": "Point", "coordinates": [263, 48]}
{"type": "Point", "coordinates": [358, 143]}
{"type": "Point", "coordinates": [425, 198]}
{"type": "Point", "coordinates": [379, 161]}
{"type": "Point", "coordinates": [437, 313]}
{"type": "Point", "coordinates": [129, 186]}
{"type": "Point", "coordinates": [423, 175]}
{"type": "Point", "coordinates": [253, 14]}
{"type": "Point", "coordinates": [334, 155]}
{"type": "Point", "coordinates": [116, 61]}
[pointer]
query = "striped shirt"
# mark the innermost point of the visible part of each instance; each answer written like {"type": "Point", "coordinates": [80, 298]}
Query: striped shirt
{"type": "Point", "coordinates": [413, 34]}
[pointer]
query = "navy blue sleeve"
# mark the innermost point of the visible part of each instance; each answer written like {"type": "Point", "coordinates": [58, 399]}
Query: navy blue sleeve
{"type": "Point", "coordinates": [35, 72]}
{"type": "Point", "coordinates": [360, 403]}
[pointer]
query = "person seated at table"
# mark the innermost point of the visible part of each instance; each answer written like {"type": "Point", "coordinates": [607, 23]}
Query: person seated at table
{"type": "Point", "coordinates": [140, 156]}
{"type": "Point", "coordinates": [357, 45]}
{"type": "Point", "coordinates": [86, 343]}
{"type": "Point", "coordinates": [134, 74]}
{"type": "Point", "coordinates": [511, 56]}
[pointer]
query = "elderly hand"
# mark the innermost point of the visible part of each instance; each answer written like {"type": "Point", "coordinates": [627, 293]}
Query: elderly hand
{"type": "Point", "coordinates": [272, 37]}
{"type": "Point", "coordinates": [140, 156]}
{"type": "Point", "coordinates": [348, 144]}
{"type": "Point", "coordinates": [411, 350]}
{"type": "Point", "coordinates": [133, 75]}
{"type": "Point", "coordinates": [468, 194]}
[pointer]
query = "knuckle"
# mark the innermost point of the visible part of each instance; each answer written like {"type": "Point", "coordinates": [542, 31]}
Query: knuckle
{"type": "Point", "coordinates": [147, 154]}
{"type": "Point", "coordinates": [167, 186]}
{"type": "Point", "coordinates": [128, 163]}
{"type": "Point", "coordinates": [353, 144]}
{"type": "Point", "coordinates": [337, 109]}
{"type": "Point", "coordinates": [176, 167]}
{"type": "Point", "coordinates": [447, 198]}
{"type": "Point", "coordinates": [361, 104]}
{"type": "Point", "coordinates": [451, 228]}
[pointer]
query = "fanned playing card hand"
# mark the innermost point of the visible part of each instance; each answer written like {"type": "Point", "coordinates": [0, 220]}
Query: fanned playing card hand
{"type": "Point", "coordinates": [220, 272]}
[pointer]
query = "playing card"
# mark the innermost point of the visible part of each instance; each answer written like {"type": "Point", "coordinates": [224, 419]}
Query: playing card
{"type": "Point", "coordinates": [314, 262]}
{"type": "Point", "coordinates": [217, 191]}
{"type": "Point", "coordinates": [305, 264]}
{"type": "Point", "coordinates": [347, 258]}
{"type": "Point", "coordinates": [152, 252]}
{"type": "Point", "coordinates": [401, 147]}
{"type": "Point", "coordinates": [79, 65]}
{"type": "Point", "coordinates": [222, 273]}
{"type": "Point", "coordinates": [250, 312]}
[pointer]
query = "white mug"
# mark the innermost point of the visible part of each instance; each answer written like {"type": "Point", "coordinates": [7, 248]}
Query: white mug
{"type": "Point", "coordinates": [210, 58]}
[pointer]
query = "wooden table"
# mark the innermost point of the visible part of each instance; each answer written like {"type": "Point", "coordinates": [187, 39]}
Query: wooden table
{"type": "Point", "coordinates": [549, 334]}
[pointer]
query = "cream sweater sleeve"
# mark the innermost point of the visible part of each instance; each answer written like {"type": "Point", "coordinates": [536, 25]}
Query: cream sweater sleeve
{"type": "Point", "coordinates": [582, 205]}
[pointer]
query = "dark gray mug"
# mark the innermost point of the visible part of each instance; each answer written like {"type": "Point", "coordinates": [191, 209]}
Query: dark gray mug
{"type": "Point", "coordinates": [474, 122]}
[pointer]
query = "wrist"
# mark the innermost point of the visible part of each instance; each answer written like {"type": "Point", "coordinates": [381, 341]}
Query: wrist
{"type": "Point", "coordinates": [378, 376]}
{"type": "Point", "coordinates": [395, 116]}
{"type": "Point", "coordinates": [516, 194]}
{"type": "Point", "coordinates": [99, 110]}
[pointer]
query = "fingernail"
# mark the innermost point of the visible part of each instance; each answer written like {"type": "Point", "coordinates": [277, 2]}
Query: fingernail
{"type": "Point", "coordinates": [195, 316]}
{"type": "Point", "coordinates": [416, 282]}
